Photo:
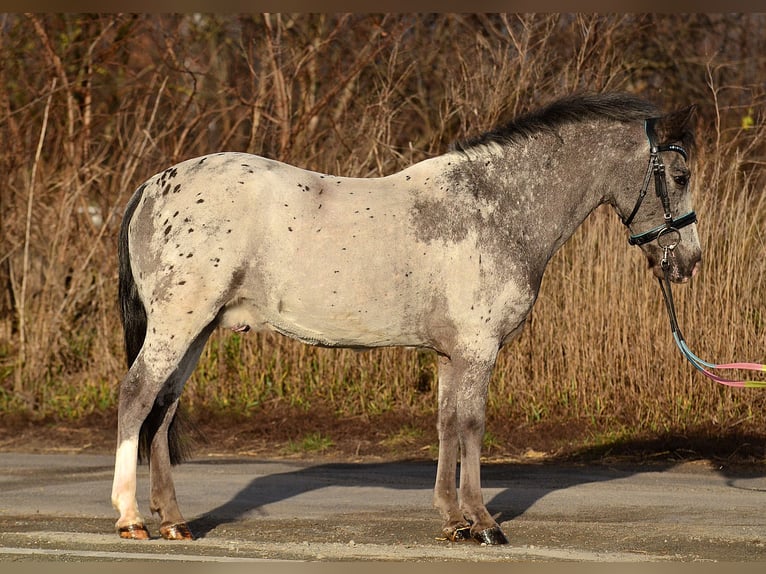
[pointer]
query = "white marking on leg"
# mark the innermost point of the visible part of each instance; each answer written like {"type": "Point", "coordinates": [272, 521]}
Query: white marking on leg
{"type": "Point", "coordinates": [124, 485]}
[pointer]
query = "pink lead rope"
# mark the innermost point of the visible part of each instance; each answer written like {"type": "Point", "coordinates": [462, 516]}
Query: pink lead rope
{"type": "Point", "coordinates": [698, 363]}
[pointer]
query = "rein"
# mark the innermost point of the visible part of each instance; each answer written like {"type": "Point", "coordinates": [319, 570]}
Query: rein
{"type": "Point", "coordinates": [668, 237]}
{"type": "Point", "coordinates": [698, 363]}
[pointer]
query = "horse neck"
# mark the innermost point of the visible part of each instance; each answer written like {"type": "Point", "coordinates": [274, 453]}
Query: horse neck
{"type": "Point", "coordinates": [547, 186]}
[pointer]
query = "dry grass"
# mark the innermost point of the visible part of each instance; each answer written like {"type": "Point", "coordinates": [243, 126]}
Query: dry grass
{"type": "Point", "coordinates": [367, 95]}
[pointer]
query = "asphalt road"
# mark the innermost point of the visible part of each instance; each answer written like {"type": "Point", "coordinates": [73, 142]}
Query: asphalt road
{"type": "Point", "coordinates": [56, 508]}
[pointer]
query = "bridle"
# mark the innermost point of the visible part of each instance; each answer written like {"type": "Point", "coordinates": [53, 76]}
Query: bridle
{"type": "Point", "coordinates": [667, 234]}
{"type": "Point", "coordinates": [668, 237]}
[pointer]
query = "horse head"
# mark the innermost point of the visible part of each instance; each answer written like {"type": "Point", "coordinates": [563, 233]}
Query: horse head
{"type": "Point", "coordinates": [663, 226]}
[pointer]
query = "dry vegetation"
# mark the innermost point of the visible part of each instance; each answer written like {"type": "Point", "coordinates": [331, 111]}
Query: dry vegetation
{"type": "Point", "coordinates": [92, 105]}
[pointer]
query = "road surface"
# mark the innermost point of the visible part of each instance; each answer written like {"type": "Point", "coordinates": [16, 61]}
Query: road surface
{"type": "Point", "coordinates": [56, 507]}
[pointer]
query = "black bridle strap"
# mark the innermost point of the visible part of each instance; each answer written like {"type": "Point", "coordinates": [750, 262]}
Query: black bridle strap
{"type": "Point", "coordinates": [642, 194]}
{"type": "Point", "coordinates": [675, 148]}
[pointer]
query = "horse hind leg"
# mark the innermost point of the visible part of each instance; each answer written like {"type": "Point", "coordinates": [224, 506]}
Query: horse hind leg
{"type": "Point", "coordinates": [162, 499]}
{"type": "Point", "coordinates": [137, 395]}
{"type": "Point", "coordinates": [166, 449]}
{"type": "Point", "coordinates": [155, 379]}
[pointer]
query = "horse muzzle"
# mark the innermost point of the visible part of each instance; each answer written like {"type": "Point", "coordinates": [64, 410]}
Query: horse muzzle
{"type": "Point", "coordinates": [682, 263]}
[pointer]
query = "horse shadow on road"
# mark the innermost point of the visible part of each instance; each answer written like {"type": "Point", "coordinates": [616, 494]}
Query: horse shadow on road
{"type": "Point", "coordinates": [517, 486]}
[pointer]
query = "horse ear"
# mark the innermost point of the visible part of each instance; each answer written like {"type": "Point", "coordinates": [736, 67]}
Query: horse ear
{"type": "Point", "coordinates": [677, 126]}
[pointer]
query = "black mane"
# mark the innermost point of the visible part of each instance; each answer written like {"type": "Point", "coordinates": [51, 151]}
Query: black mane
{"type": "Point", "coordinates": [614, 106]}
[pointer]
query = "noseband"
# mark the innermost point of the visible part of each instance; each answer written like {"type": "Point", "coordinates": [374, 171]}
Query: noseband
{"type": "Point", "coordinates": [667, 234]}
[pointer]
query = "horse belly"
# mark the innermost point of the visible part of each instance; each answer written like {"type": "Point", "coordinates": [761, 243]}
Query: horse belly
{"type": "Point", "coordinates": [339, 269]}
{"type": "Point", "coordinates": [323, 323]}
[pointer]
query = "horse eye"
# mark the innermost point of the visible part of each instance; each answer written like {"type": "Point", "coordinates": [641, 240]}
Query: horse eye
{"type": "Point", "coordinates": [681, 180]}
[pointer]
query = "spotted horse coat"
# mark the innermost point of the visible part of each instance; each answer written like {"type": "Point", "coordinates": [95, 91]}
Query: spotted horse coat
{"type": "Point", "coordinates": [447, 254]}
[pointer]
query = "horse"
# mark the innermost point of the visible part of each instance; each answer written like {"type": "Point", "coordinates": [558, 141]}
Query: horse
{"type": "Point", "coordinates": [447, 254]}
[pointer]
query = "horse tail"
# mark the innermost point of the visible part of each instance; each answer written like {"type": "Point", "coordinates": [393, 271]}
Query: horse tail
{"type": "Point", "coordinates": [133, 315]}
{"type": "Point", "coordinates": [132, 310]}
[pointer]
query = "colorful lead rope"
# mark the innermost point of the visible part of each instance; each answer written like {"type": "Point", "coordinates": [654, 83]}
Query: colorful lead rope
{"type": "Point", "coordinates": [698, 363]}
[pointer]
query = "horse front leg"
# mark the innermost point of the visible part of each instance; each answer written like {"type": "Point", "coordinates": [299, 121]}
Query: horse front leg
{"type": "Point", "coordinates": [455, 526]}
{"type": "Point", "coordinates": [471, 421]}
{"type": "Point", "coordinates": [463, 388]}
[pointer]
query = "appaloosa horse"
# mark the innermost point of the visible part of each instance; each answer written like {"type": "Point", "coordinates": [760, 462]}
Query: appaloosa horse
{"type": "Point", "coordinates": [447, 254]}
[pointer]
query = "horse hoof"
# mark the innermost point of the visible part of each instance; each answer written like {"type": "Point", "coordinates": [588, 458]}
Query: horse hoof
{"type": "Point", "coordinates": [491, 536]}
{"type": "Point", "coordinates": [178, 531]}
{"type": "Point", "coordinates": [134, 532]}
{"type": "Point", "coordinates": [458, 534]}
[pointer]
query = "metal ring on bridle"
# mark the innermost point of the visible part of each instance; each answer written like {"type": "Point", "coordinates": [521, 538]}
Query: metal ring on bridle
{"type": "Point", "coordinates": [669, 238]}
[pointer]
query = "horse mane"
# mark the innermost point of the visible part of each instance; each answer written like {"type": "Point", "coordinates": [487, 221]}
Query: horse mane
{"type": "Point", "coordinates": [618, 106]}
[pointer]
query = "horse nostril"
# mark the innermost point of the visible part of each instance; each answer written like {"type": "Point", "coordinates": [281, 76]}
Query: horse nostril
{"type": "Point", "coordinates": [696, 267]}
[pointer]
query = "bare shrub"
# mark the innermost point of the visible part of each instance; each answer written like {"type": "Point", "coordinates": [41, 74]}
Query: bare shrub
{"type": "Point", "coordinates": [118, 97]}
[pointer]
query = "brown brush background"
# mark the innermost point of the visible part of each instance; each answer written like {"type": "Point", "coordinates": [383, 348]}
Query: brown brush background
{"type": "Point", "coordinates": [119, 97]}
